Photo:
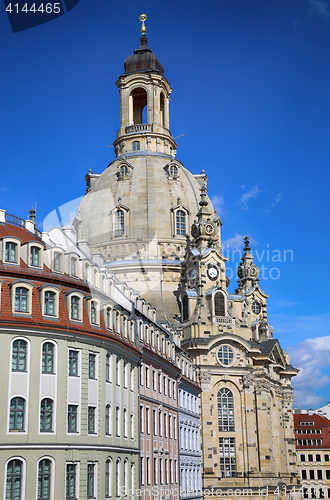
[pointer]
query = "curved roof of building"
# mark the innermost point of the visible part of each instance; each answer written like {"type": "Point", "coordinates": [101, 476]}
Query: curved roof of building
{"type": "Point", "coordinates": [143, 60]}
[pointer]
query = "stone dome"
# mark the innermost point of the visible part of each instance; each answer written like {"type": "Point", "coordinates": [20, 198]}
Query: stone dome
{"type": "Point", "coordinates": [147, 191]}
{"type": "Point", "coordinates": [142, 60]}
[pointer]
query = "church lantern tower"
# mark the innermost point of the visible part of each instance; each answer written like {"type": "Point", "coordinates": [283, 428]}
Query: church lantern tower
{"type": "Point", "coordinates": [145, 200]}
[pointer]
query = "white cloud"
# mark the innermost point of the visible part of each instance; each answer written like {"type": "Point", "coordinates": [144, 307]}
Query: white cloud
{"type": "Point", "coordinates": [4, 189]}
{"type": "Point", "coordinates": [320, 7]}
{"type": "Point", "coordinates": [236, 242]}
{"type": "Point", "coordinates": [310, 357]}
{"type": "Point", "coordinates": [277, 199]}
{"type": "Point", "coordinates": [244, 199]}
{"type": "Point", "coordinates": [218, 203]}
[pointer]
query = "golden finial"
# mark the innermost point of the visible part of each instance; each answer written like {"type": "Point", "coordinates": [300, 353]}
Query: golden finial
{"type": "Point", "coordinates": [143, 18]}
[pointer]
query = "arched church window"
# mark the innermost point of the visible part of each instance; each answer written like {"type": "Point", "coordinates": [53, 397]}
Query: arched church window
{"type": "Point", "coordinates": [119, 223]}
{"type": "Point", "coordinates": [124, 171]}
{"type": "Point", "coordinates": [226, 410]}
{"type": "Point", "coordinates": [136, 147]}
{"type": "Point", "coordinates": [173, 171]}
{"type": "Point", "coordinates": [184, 305]}
{"type": "Point", "coordinates": [180, 223]}
{"type": "Point", "coordinates": [219, 304]}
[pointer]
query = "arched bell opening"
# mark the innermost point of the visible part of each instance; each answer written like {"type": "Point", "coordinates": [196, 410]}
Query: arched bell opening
{"type": "Point", "coordinates": [162, 109]}
{"type": "Point", "coordinates": [138, 106]}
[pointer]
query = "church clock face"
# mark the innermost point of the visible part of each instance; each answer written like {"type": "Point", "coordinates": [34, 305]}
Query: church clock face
{"type": "Point", "coordinates": [213, 272]}
{"type": "Point", "coordinates": [209, 229]}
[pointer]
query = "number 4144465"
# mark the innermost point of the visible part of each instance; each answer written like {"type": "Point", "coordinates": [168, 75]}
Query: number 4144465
{"type": "Point", "coordinates": [48, 8]}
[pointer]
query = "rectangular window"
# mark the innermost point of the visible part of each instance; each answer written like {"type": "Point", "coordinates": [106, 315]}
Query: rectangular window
{"type": "Point", "coordinates": [118, 370]}
{"type": "Point", "coordinates": [147, 420]}
{"type": "Point", "coordinates": [90, 480]}
{"type": "Point", "coordinates": [227, 454]}
{"type": "Point", "coordinates": [11, 252]}
{"type": "Point", "coordinates": [169, 388]}
{"type": "Point", "coordinates": [154, 380]}
{"type": "Point", "coordinates": [19, 352]}
{"type": "Point", "coordinates": [73, 363]}
{"type": "Point", "coordinates": [71, 479]}
{"type": "Point", "coordinates": [108, 420]}
{"type": "Point", "coordinates": [49, 304]}
{"type": "Point", "coordinates": [174, 390]}
{"type": "Point", "coordinates": [176, 471]}
{"type": "Point", "coordinates": [328, 492]}
{"type": "Point", "coordinates": [73, 267]}
{"type": "Point", "coordinates": [92, 366]}
{"type": "Point", "coordinates": [142, 470]}
{"type": "Point", "coordinates": [319, 474]}
{"type": "Point", "coordinates": [57, 262]}
{"type": "Point", "coordinates": [16, 415]}
{"type": "Point", "coordinates": [108, 367]}
{"type": "Point", "coordinates": [311, 474]}
{"type": "Point", "coordinates": [75, 312]}
{"type": "Point", "coordinates": [91, 420]}
{"type": "Point", "coordinates": [317, 457]}
{"type": "Point", "coordinates": [165, 425]}
{"type": "Point", "coordinates": [21, 299]}
{"type": "Point", "coordinates": [155, 471]}
{"type": "Point", "coordinates": [166, 471]}
{"type": "Point", "coordinates": [132, 378]}
{"type": "Point", "coordinates": [302, 458]}
{"type": "Point", "coordinates": [72, 418]}
{"type": "Point", "coordinates": [159, 382]}
{"type": "Point", "coordinates": [161, 477]}
{"type": "Point", "coordinates": [125, 374]}
{"type": "Point", "coordinates": [141, 374]}
{"type": "Point", "coordinates": [35, 256]}
{"type": "Point", "coordinates": [174, 425]}
{"type": "Point", "coordinates": [164, 385]}
{"type": "Point", "coordinates": [327, 473]}
{"type": "Point", "coordinates": [303, 474]}
{"type": "Point", "coordinates": [141, 420]}
{"type": "Point", "coordinates": [147, 377]}
{"type": "Point", "coordinates": [171, 471]}
{"type": "Point", "coordinates": [170, 426]}
{"type": "Point", "coordinates": [154, 422]}
{"type": "Point", "coordinates": [46, 415]}
{"type": "Point", "coordinates": [321, 493]}
{"type": "Point", "coordinates": [148, 469]}
{"type": "Point", "coordinates": [305, 492]}
{"type": "Point", "coordinates": [326, 458]}
{"type": "Point", "coordinates": [310, 458]}
{"type": "Point", "coordinates": [160, 424]}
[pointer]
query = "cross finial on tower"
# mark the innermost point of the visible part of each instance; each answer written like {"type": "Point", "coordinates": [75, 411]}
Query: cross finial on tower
{"type": "Point", "coordinates": [247, 244]}
{"type": "Point", "coordinates": [143, 18]}
{"type": "Point", "coordinates": [32, 214]}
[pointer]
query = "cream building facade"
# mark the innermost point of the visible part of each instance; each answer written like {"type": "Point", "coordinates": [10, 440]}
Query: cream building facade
{"type": "Point", "coordinates": [158, 231]}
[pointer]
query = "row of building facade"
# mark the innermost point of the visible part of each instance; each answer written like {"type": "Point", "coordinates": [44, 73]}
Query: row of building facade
{"type": "Point", "coordinates": [98, 397]}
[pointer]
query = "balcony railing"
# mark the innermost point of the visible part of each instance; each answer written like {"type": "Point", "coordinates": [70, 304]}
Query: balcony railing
{"type": "Point", "coordinates": [223, 320]}
{"type": "Point", "coordinates": [13, 219]}
{"type": "Point", "coordinates": [141, 127]}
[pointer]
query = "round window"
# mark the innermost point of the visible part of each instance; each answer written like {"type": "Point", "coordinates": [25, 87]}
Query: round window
{"type": "Point", "coordinates": [226, 355]}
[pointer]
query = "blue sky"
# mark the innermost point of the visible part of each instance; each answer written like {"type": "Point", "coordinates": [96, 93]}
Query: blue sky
{"type": "Point", "coordinates": [250, 83]}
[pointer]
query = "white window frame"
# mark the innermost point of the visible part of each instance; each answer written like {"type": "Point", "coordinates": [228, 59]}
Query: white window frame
{"type": "Point", "coordinates": [41, 254]}
{"type": "Point", "coordinates": [22, 284]}
{"type": "Point", "coordinates": [17, 242]}
{"type": "Point", "coordinates": [21, 459]}
{"type": "Point", "coordinates": [81, 297]}
{"type": "Point", "coordinates": [55, 290]}
{"type": "Point", "coordinates": [52, 475]}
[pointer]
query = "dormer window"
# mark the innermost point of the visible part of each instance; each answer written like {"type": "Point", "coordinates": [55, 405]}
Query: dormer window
{"type": "Point", "coordinates": [11, 252]}
{"type": "Point", "coordinates": [124, 171]}
{"type": "Point", "coordinates": [49, 306]}
{"type": "Point", "coordinates": [21, 299]}
{"type": "Point", "coordinates": [57, 262]}
{"type": "Point", "coordinates": [75, 312]}
{"type": "Point", "coordinates": [119, 223]}
{"type": "Point", "coordinates": [173, 170]}
{"type": "Point", "coordinates": [35, 256]}
{"type": "Point", "coordinates": [136, 145]}
{"type": "Point", "coordinates": [93, 313]}
{"type": "Point", "coordinates": [73, 270]}
{"type": "Point", "coordinates": [180, 223]}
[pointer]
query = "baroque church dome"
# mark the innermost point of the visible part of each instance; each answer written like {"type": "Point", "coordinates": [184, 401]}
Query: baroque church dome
{"type": "Point", "coordinates": [137, 214]}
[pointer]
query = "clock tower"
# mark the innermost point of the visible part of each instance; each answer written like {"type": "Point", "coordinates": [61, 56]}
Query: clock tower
{"type": "Point", "coordinates": [246, 403]}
